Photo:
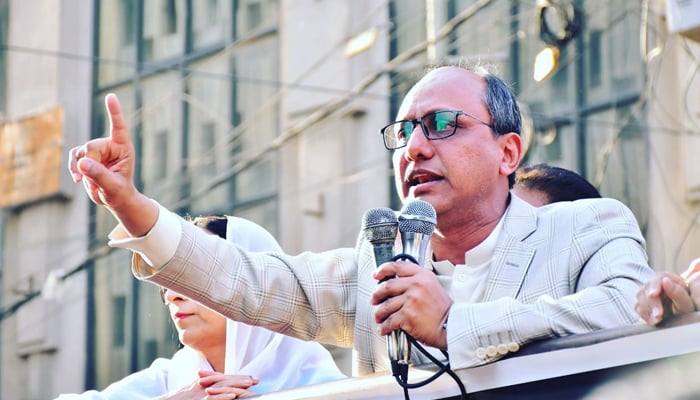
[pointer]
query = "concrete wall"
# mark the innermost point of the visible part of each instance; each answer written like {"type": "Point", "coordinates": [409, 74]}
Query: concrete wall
{"type": "Point", "coordinates": [674, 139]}
{"type": "Point", "coordinates": [48, 66]}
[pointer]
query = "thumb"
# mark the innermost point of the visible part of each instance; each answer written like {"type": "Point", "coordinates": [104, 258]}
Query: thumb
{"type": "Point", "coordinates": [96, 172]}
{"type": "Point", "coordinates": [118, 130]}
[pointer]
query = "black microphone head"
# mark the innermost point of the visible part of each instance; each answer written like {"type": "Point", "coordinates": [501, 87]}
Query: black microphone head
{"type": "Point", "coordinates": [418, 216]}
{"type": "Point", "coordinates": [380, 225]}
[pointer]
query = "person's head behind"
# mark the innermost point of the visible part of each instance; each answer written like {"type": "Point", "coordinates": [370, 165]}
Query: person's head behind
{"type": "Point", "coordinates": [542, 184]}
{"type": "Point", "coordinates": [472, 150]}
{"type": "Point", "coordinates": [215, 224]}
{"type": "Point", "coordinates": [198, 326]}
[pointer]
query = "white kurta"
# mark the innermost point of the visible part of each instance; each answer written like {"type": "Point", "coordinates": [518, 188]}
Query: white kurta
{"type": "Point", "coordinates": [163, 376]}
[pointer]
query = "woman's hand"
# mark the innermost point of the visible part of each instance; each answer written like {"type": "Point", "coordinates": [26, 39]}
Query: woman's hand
{"type": "Point", "coordinates": [219, 386]}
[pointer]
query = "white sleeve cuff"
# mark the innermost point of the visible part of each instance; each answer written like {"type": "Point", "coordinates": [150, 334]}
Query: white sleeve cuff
{"type": "Point", "coordinates": [158, 246]}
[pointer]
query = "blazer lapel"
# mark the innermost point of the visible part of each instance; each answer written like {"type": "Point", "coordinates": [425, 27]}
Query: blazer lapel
{"type": "Point", "coordinates": [512, 256]}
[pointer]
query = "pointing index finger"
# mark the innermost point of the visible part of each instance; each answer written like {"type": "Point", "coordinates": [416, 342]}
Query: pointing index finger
{"type": "Point", "coordinates": [118, 130]}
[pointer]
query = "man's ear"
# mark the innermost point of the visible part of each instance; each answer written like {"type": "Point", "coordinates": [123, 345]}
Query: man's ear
{"type": "Point", "coordinates": [512, 148]}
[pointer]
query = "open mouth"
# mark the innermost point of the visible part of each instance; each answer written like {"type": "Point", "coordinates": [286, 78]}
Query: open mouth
{"type": "Point", "coordinates": [420, 177]}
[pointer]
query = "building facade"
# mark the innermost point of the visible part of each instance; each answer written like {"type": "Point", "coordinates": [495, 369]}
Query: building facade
{"type": "Point", "coordinates": [270, 110]}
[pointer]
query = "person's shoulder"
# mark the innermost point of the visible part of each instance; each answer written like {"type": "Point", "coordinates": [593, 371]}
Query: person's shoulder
{"type": "Point", "coordinates": [250, 235]}
{"type": "Point", "coordinates": [597, 209]}
{"type": "Point", "coordinates": [585, 204]}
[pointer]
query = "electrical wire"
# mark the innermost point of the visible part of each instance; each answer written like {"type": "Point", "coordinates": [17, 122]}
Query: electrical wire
{"type": "Point", "coordinates": [400, 370]}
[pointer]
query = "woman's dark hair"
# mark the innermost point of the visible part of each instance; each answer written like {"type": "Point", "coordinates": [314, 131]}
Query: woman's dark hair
{"type": "Point", "coordinates": [215, 224]}
{"type": "Point", "coordinates": [558, 184]}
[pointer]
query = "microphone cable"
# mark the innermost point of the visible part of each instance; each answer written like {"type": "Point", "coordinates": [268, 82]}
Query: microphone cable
{"type": "Point", "coordinates": [400, 371]}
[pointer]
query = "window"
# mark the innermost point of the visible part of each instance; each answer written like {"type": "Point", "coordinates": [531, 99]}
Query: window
{"type": "Point", "coordinates": [259, 126]}
{"type": "Point", "coordinates": [117, 41]}
{"type": "Point", "coordinates": [163, 29]}
{"type": "Point", "coordinates": [127, 15]}
{"type": "Point", "coordinates": [160, 164]}
{"type": "Point", "coordinates": [211, 22]}
{"type": "Point", "coordinates": [118, 324]}
{"type": "Point", "coordinates": [594, 59]}
{"type": "Point", "coordinates": [253, 15]}
{"type": "Point", "coordinates": [409, 24]}
{"type": "Point", "coordinates": [170, 17]}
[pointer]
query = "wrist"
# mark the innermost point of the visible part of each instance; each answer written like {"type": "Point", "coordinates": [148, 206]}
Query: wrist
{"type": "Point", "coordinates": [138, 215]}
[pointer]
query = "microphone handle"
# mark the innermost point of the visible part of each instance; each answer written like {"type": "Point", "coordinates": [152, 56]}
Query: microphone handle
{"type": "Point", "coordinates": [414, 245]}
{"type": "Point", "coordinates": [383, 252]}
{"type": "Point", "coordinates": [397, 345]}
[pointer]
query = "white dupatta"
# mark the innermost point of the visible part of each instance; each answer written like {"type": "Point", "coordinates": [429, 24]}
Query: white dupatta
{"type": "Point", "coordinates": [281, 362]}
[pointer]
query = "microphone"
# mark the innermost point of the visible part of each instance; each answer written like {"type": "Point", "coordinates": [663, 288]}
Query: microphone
{"type": "Point", "coordinates": [416, 224]}
{"type": "Point", "coordinates": [380, 226]}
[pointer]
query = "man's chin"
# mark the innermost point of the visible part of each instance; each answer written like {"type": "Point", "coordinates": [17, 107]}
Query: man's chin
{"type": "Point", "coordinates": [420, 195]}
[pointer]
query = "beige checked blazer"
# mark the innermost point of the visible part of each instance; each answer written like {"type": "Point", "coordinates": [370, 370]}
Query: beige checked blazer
{"type": "Point", "coordinates": [566, 268]}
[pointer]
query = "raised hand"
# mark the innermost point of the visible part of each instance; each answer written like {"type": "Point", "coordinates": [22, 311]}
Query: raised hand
{"type": "Point", "coordinates": [105, 166]}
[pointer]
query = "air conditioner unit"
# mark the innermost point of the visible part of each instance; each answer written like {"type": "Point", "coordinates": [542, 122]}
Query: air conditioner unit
{"type": "Point", "coordinates": [683, 17]}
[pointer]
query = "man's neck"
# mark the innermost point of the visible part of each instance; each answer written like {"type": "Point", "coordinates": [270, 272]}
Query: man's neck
{"type": "Point", "coordinates": [453, 245]}
{"type": "Point", "coordinates": [451, 241]}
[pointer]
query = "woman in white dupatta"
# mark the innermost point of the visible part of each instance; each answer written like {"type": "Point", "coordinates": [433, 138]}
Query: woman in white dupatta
{"type": "Point", "coordinates": [221, 358]}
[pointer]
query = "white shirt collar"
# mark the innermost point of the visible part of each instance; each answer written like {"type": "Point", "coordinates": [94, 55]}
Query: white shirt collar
{"type": "Point", "coordinates": [482, 253]}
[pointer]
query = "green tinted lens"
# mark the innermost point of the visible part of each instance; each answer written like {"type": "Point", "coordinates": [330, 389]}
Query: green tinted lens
{"type": "Point", "coordinates": [404, 130]}
{"type": "Point", "coordinates": [442, 123]}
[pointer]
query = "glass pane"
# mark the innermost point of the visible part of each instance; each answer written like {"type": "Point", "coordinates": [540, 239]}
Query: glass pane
{"type": "Point", "coordinates": [117, 41]}
{"type": "Point", "coordinates": [409, 24]}
{"type": "Point", "coordinates": [488, 40]}
{"type": "Point", "coordinates": [161, 133]}
{"type": "Point", "coordinates": [211, 21]}
{"type": "Point", "coordinates": [257, 107]}
{"type": "Point", "coordinates": [210, 134]}
{"type": "Point", "coordinates": [163, 29]}
{"type": "Point", "coordinates": [255, 16]}
{"type": "Point", "coordinates": [112, 291]}
{"type": "Point", "coordinates": [626, 66]}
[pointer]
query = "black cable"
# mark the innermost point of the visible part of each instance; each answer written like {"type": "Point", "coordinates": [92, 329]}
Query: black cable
{"type": "Point", "coordinates": [568, 15]}
{"type": "Point", "coordinates": [400, 371]}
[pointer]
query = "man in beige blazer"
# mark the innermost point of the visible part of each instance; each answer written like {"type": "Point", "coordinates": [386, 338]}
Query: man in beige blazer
{"type": "Point", "coordinates": [502, 273]}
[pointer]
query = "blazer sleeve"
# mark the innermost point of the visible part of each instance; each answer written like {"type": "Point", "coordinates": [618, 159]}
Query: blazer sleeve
{"type": "Point", "coordinates": [588, 261]}
{"type": "Point", "coordinates": [310, 296]}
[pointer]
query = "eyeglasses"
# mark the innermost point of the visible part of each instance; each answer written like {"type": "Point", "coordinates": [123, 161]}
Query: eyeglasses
{"type": "Point", "coordinates": [436, 125]}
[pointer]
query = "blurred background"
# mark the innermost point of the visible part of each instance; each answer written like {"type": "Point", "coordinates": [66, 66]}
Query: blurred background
{"type": "Point", "coordinates": [271, 109]}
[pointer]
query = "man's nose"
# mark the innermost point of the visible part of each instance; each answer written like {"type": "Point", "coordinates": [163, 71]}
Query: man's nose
{"type": "Point", "coordinates": [418, 143]}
